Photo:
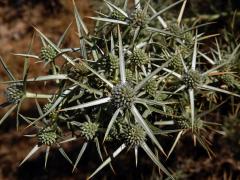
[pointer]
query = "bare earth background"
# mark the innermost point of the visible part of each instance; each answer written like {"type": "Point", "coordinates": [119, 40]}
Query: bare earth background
{"type": "Point", "coordinates": [52, 17]}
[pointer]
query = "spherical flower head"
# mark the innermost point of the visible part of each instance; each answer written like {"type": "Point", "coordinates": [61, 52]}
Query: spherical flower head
{"type": "Point", "coordinates": [152, 87]}
{"type": "Point", "coordinates": [14, 92]}
{"type": "Point", "coordinates": [113, 61]}
{"type": "Point", "coordinates": [47, 136]}
{"type": "Point", "coordinates": [117, 15]}
{"type": "Point", "coordinates": [129, 75]}
{"type": "Point", "coordinates": [192, 79]}
{"type": "Point", "coordinates": [88, 130]}
{"type": "Point", "coordinates": [134, 135]}
{"type": "Point", "coordinates": [47, 53]}
{"type": "Point", "coordinates": [176, 63]}
{"type": "Point", "coordinates": [186, 123]}
{"type": "Point", "coordinates": [139, 57]}
{"type": "Point", "coordinates": [139, 18]}
{"type": "Point", "coordinates": [122, 96]}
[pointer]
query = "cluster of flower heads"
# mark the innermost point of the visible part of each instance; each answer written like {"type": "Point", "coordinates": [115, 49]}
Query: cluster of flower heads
{"type": "Point", "coordinates": [136, 77]}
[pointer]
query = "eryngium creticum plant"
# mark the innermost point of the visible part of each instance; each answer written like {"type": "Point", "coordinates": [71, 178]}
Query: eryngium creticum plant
{"type": "Point", "coordinates": [134, 75]}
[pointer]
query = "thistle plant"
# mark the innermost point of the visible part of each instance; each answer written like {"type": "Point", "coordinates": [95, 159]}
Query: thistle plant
{"type": "Point", "coordinates": [48, 135]}
{"type": "Point", "coordinates": [136, 78]}
{"type": "Point", "coordinates": [16, 92]}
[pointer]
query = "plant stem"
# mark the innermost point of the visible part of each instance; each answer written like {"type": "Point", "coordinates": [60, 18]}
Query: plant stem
{"type": "Point", "coordinates": [37, 96]}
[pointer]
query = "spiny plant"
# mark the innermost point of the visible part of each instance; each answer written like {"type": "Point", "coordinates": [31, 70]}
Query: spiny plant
{"type": "Point", "coordinates": [135, 78]}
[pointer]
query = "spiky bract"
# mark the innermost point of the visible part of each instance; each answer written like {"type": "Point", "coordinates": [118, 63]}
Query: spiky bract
{"type": "Point", "coordinates": [139, 18]}
{"type": "Point", "coordinates": [134, 135]}
{"type": "Point", "coordinates": [88, 130]}
{"type": "Point", "coordinates": [47, 53]}
{"type": "Point", "coordinates": [14, 92]}
{"type": "Point", "coordinates": [122, 96]}
{"type": "Point", "coordinates": [139, 57]}
{"type": "Point", "coordinates": [47, 136]}
{"type": "Point", "coordinates": [192, 79]}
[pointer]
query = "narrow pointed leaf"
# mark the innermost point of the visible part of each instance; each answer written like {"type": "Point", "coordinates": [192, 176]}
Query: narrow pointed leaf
{"type": "Point", "coordinates": [108, 160]}
{"type": "Point", "coordinates": [80, 155]}
{"type": "Point", "coordinates": [137, 4]}
{"type": "Point", "coordinates": [218, 90]}
{"type": "Point", "coordinates": [34, 149]}
{"type": "Point", "coordinates": [144, 125]}
{"type": "Point", "coordinates": [136, 33]}
{"type": "Point", "coordinates": [60, 41]}
{"type": "Point", "coordinates": [145, 80]}
{"type": "Point", "coordinates": [55, 104]}
{"type": "Point", "coordinates": [18, 111]}
{"type": "Point", "coordinates": [27, 55]}
{"type": "Point", "coordinates": [218, 50]}
{"type": "Point", "coordinates": [198, 26]}
{"type": "Point", "coordinates": [180, 89]}
{"type": "Point", "coordinates": [112, 45]}
{"type": "Point", "coordinates": [98, 148]}
{"type": "Point", "coordinates": [113, 119]}
{"type": "Point", "coordinates": [8, 113]}
{"type": "Point", "coordinates": [39, 108]}
{"type": "Point", "coordinates": [165, 9]}
{"type": "Point", "coordinates": [173, 73]}
{"type": "Point", "coordinates": [88, 104]}
{"type": "Point", "coordinates": [68, 140]}
{"type": "Point", "coordinates": [160, 19]}
{"type": "Point", "coordinates": [117, 8]}
{"type": "Point", "coordinates": [155, 159]}
{"type": "Point", "coordinates": [25, 119]}
{"type": "Point", "coordinates": [46, 156]}
{"type": "Point", "coordinates": [175, 143]}
{"type": "Point", "coordinates": [161, 31]}
{"type": "Point", "coordinates": [61, 150]}
{"type": "Point", "coordinates": [136, 155]}
{"type": "Point", "coordinates": [98, 75]}
{"type": "Point", "coordinates": [82, 31]}
{"type": "Point", "coordinates": [194, 58]}
{"type": "Point", "coordinates": [121, 58]}
{"type": "Point", "coordinates": [49, 77]}
{"type": "Point", "coordinates": [234, 53]}
{"type": "Point", "coordinates": [80, 23]}
{"type": "Point", "coordinates": [207, 58]}
{"type": "Point", "coordinates": [183, 63]}
{"type": "Point", "coordinates": [191, 97]}
{"type": "Point", "coordinates": [109, 20]}
{"type": "Point", "coordinates": [179, 19]}
{"type": "Point", "coordinates": [10, 75]}
{"type": "Point", "coordinates": [153, 102]}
